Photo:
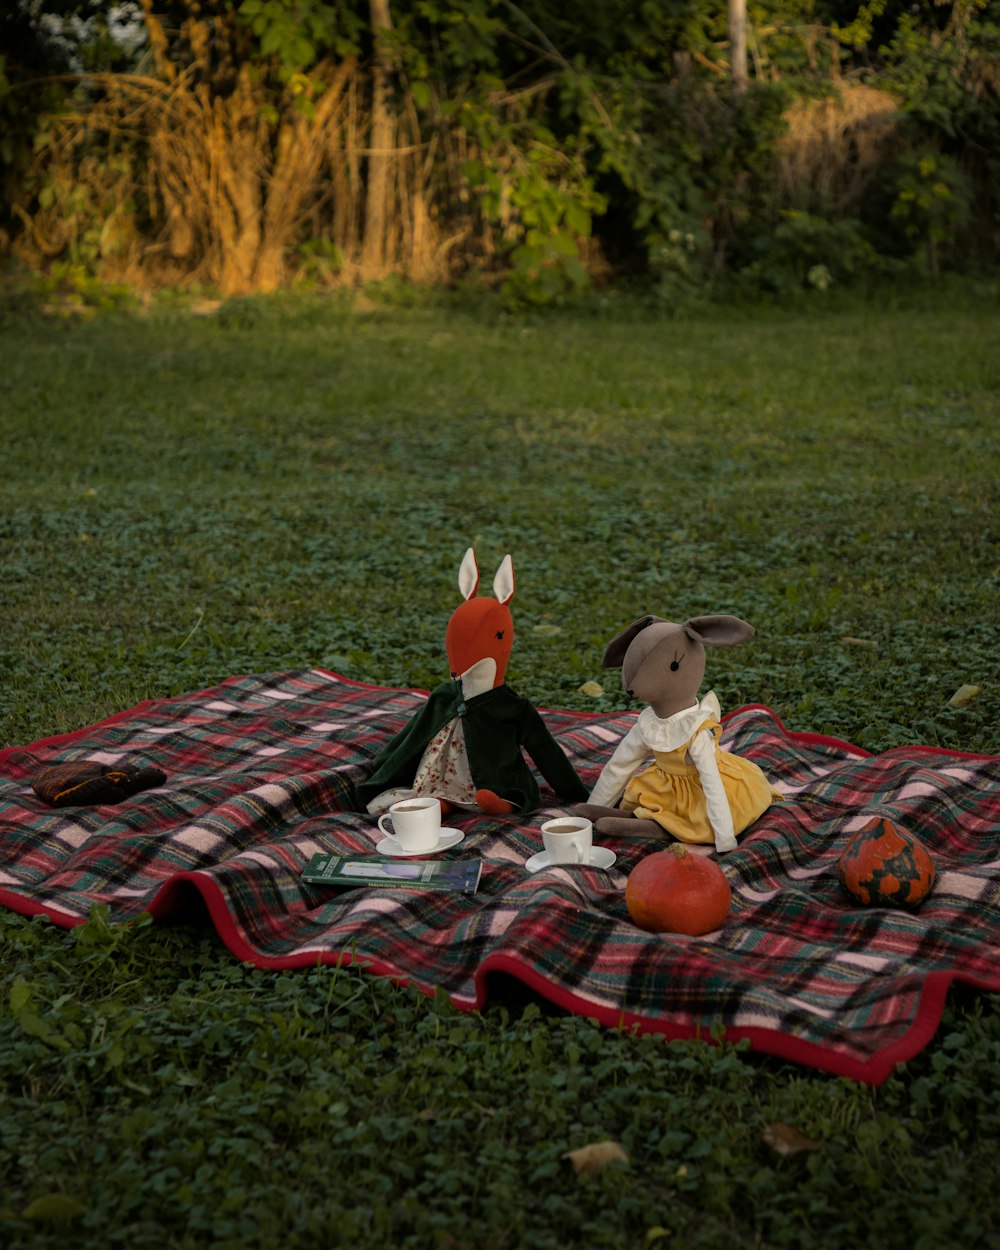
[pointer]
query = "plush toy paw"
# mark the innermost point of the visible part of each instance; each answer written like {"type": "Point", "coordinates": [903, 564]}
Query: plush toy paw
{"type": "Point", "coordinates": [596, 812]}
{"type": "Point", "coordinates": [492, 804]}
{"type": "Point", "coordinates": [722, 845]}
{"type": "Point", "coordinates": [626, 827]}
{"type": "Point", "coordinates": [82, 784]}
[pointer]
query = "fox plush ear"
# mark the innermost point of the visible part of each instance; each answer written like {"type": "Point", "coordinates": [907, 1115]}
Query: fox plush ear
{"type": "Point", "coordinates": [718, 631]}
{"type": "Point", "coordinates": [614, 652]}
{"type": "Point", "coordinates": [468, 575]}
{"type": "Point", "coordinates": [503, 583]}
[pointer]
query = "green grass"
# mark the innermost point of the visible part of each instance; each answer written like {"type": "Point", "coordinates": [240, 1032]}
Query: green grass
{"type": "Point", "coordinates": [291, 484]}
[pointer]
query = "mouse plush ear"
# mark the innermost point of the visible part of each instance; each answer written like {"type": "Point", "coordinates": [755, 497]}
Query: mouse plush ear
{"type": "Point", "coordinates": [718, 631]}
{"type": "Point", "coordinates": [503, 583]}
{"type": "Point", "coordinates": [614, 652]}
{"type": "Point", "coordinates": [468, 575]}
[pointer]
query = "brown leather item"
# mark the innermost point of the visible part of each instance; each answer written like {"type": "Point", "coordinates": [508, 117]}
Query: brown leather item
{"type": "Point", "coordinates": [85, 784]}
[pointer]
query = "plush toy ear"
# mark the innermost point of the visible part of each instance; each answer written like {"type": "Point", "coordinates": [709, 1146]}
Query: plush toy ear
{"type": "Point", "coordinates": [468, 575]}
{"type": "Point", "coordinates": [718, 631]}
{"type": "Point", "coordinates": [503, 583]}
{"type": "Point", "coordinates": [614, 652]}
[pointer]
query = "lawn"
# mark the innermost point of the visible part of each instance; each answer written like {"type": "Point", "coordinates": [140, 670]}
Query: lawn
{"type": "Point", "coordinates": [291, 483]}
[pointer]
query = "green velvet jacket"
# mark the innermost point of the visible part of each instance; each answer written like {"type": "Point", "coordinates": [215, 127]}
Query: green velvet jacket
{"type": "Point", "coordinates": [498, 724]}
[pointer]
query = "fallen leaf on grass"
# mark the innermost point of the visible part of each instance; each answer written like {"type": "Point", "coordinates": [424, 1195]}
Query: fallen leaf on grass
{"type": "Point", "coordinates": [54, 1209]}
{"type": "Point", "coordinates": [964, 695]}
{"type": "Point", "coordinates": [786, 1139]}
{"type": "Point", "coordinates": [593, 688]}
{"type": "Point", "coordinates": [20, 994]}
{"type": "Point", "coordinates": [546, 630]}
{"type": "Point", "coordinates": [589, 1160]}
{"type": "Point", "coordinates": [858, 642]}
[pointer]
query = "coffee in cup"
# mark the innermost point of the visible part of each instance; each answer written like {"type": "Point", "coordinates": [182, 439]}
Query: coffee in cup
{"type": "Point", "coordinates": [568, 840]}
{"type": "Point", "coordinates": [416, 823]}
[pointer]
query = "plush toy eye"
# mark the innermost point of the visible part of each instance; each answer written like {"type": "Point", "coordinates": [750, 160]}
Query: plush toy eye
{"type": "Point", "coordinates": [675, 665]}
{"type": "Point", "coordinates": [500, 633]}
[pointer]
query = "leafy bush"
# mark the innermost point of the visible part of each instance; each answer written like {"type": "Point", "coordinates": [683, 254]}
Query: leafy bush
{"type": "Point", "coordinates": [932, 202]}
{"type": "Point", "coordinates": [807, 252]}
{"type": "Point", "coordinates": [946, 74]}
{"type": "Point", "coordinates": [540, 199]}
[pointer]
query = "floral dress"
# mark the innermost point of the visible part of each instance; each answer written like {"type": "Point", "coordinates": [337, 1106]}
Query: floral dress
{"type": "Point", "coordinates": [444, 767]}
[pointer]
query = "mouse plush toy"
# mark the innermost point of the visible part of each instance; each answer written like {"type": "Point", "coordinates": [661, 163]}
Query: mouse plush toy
{"type": "Point", "coordinates": [693, 789]}
{"type": "Point", "coordinates": [464, 745]}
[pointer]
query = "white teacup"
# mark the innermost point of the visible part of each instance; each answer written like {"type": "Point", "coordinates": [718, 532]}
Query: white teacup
{"type": "Point", "coordinates": [416, 823]}
{"type": "Point", "coordinates": [568, 839]}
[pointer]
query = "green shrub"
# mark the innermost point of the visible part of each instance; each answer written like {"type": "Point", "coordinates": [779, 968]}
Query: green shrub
{"type": "Point", "coordinates": [805, 252]}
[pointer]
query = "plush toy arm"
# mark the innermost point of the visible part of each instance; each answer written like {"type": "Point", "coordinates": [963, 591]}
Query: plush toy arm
{"type": "Point", "coordinates": [702, 753]}
{"type": "Point", "coordinates": [628, 755]}
{"type": "Point", "coordinates": [550, 758]}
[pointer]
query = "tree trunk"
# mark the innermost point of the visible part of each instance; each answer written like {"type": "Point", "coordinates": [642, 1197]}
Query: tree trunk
{"type": "Point", "coordinates": [738, 44]}
{"type": "Point", "coordinates": [373, 251]}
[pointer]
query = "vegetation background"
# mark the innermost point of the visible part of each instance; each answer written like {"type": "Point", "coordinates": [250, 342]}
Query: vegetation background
{"type": "Point", "coordinates": [687, 144]}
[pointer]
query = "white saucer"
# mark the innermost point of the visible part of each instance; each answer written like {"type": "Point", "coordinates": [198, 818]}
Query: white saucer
{"type": "Point", "coordinates": [449, 837]}
{"type": "Point", "coordinates": [600, 857]}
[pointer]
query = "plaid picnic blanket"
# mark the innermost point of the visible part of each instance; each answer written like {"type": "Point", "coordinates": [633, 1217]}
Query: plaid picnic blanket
{"type": "Point", "coordinates": [260, 774]}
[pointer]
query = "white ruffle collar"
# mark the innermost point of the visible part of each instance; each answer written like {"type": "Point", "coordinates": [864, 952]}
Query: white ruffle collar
{"type": "Point", "coordinates": [671, 732]}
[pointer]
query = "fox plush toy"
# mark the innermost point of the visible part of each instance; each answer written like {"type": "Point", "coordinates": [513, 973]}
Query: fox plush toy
{"type": "Point", "coordinates": [464, 746]}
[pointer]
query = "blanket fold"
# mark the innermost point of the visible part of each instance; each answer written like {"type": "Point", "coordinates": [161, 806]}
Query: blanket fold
{"type": "Point", "coordinates": [261, 772]}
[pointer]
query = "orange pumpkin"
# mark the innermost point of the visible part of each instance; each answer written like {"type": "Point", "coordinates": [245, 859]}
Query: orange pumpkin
{"type": "Point", "coordinates": [883, 864]}
{"type": "Point", "coordinates": [673, 891]}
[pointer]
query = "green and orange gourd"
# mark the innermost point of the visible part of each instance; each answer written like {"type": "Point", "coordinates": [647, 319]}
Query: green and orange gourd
{"type": "Point", "coordinates": [884, 865]}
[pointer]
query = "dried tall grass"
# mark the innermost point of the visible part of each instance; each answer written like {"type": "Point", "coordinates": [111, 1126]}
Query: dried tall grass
{"type": "Point", "coordinates": [834, 148]}
{"type": "Point", "coordinates": [209, 187]}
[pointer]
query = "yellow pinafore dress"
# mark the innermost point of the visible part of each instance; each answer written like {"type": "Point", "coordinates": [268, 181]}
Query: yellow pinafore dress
{"type": "Point", "coordinates": [670, 791]}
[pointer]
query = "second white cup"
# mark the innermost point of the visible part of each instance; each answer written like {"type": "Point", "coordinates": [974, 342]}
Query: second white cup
{"type": "Point", "coordinates": [568, 839]}
{"type": "Point", "coordinates": [416, 823]}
